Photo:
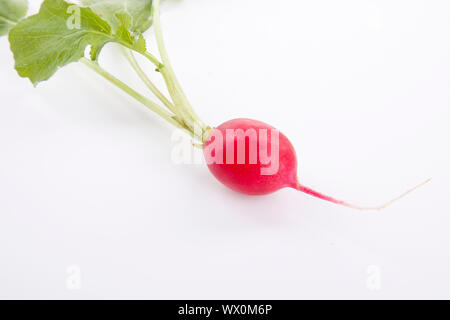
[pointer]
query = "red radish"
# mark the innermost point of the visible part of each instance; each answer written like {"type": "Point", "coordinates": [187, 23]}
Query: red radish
{"type": "Point", "coordinates": [246, 155]}
{"type": "Point", "coordinates": [245, 177]}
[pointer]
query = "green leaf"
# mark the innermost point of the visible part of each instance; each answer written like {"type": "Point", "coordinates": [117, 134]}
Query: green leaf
{"type": "Point", "coordinates": [140, 44]}
{"type": "Point", "coordinates": [95, 50]}
{"type": "Point", "coordinates": [123, 32]}
{"type": "Point", "coordinates": [123, 36]}
{"type": "Point", "coordinates": [138, 10]}
{"type": "Point", "coordinates": [11, 11]}
{"type": "Point", "coordinates": [55, 37]}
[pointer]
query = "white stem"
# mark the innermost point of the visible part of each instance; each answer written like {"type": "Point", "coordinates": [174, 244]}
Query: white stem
{"type": "Point", "coordinates": [133, 93]}
{"type": "Point", "coordinates": [130, 57]}
{"type": "Point", "coordinates": [173, 84]}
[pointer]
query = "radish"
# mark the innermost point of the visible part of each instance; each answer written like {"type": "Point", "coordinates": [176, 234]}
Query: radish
{"type": "Point", "coordinates": [246, 155]}
{"type": "Point", "coordinates": [247, 177]}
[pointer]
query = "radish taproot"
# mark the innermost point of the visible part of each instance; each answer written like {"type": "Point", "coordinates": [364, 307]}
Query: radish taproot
{"type": "Point", "coordinates": [264, 161]}
{"type": "Point", "coordinates": [229, 150]}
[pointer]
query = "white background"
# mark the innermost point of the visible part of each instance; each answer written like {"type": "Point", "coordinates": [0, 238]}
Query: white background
{"type": "Point", "coordinates": [92, 206]}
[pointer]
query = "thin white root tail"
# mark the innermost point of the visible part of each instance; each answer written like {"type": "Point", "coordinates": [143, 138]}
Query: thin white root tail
{"type": "Point", "coordinates": [387, 204]}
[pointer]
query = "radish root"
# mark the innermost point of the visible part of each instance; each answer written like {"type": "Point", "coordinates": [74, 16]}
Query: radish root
{"type": "Point", "coordinates": [343, 203]}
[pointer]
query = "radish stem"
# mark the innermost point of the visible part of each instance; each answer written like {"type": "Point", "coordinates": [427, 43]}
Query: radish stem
{"type": "Point", "coordinates": [150, 57]}
{"type": "Point", "coordinates": [174, 86]}
{"type": "Point", "coordinates": [130, 57]}
{"type": "Point", "coordinates": [133, 93]}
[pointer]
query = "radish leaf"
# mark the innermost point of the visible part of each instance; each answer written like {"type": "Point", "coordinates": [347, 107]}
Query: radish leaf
{"type": "Point", "coordinates": [140, 44]}
{"type": "Point", "coordinates": [123, 31]}
{"type": "Point", "coordinates": [11, 11]}
{"type": "Point", "coordinates": [59, 35]}
{"type": "Point", "coordinates": [54, 38]}
{"type": "Point", "coordinates": [138, 10]}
